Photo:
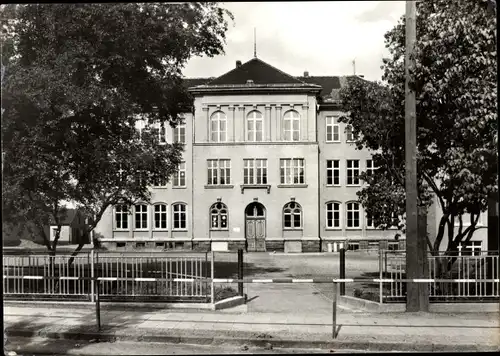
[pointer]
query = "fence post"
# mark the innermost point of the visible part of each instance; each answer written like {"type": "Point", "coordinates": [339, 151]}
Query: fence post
{"type": "Point", "coordinates": [92, 281]}
{"type": "Point", "coordinates": [334, 311]}
{"type": "Point", "coordinates": [212, 272]}
{"type": "Point", "coordinates": [342, 270]}
{"type": "Point", "coordinates": [97, 301]}
{"type": "Point", "coordinates": [240, 272]}
{"type": "Point", "coordinates": [380, 275]}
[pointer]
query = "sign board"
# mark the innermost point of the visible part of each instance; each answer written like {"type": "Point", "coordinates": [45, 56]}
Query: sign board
{"type": "Point", "coordinates": [219, 246]}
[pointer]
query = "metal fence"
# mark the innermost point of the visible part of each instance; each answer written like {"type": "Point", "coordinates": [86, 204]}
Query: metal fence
{"type": "Point", "coordinates": [150, 276]}
{"type": "Point", "coordinates": [452, 267]}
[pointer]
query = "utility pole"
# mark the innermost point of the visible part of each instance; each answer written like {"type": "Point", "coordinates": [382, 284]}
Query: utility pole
{"type": "Point", "coordinates": [417, 296]}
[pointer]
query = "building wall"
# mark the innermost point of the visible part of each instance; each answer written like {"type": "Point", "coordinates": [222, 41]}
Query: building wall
{"type": "Point", "coordinates": [343, 193]}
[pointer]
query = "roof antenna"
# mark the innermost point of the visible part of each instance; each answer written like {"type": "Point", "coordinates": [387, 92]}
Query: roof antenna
{"type": "Point", "coordinates": [354, 65]}
{"type": "Point", "coordinates": [254, 44]}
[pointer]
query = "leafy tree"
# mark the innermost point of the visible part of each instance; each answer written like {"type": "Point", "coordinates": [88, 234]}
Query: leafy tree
{"type": "Point", "coordinates": [455, 80]}
{"type": "Point", "coordinates": [78, 79]}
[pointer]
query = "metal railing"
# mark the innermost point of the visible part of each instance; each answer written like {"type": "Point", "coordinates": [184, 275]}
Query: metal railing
{"type": "Point", "coordinates": [478, 269]}
{"type": "Point", "coordinates": [68, 286]}
{"type": "Point", "coordinates": [154, 276]}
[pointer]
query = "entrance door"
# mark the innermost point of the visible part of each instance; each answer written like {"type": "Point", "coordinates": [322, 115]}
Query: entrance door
{"type": "Point", "coordinates": [255, 227]}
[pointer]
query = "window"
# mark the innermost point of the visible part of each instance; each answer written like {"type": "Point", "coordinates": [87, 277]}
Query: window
{"type": "Point", "coordinates": [180, 133]}
{"type": "Point", "coordinates": [353, 215]}
{"type": "Point", "coordinates": [292, 171]}
{"type": "Point", "coordinates": [353, 246]}
{"type": "Point", "coordinates": [121, 217]}
{"type": "Point", "coordinates": [180, 176]}
{"type": "Point", "coordinates": [471, 248]}
{"type": "Point", "coordinates": [349, 133]}
{"type": "Point", "coordinates": [160, 216]}
{"type": "Point", "coordinates": [139, 177]}
{"type": "Point", "coordinates": [121, 175]}
{"type": "Point", "coordinates": [141, 216]}
{"type": "Point", "coordinates": [255, 171]}
{"type": "Point", "coordinates": [219, 171]}
{"type": "Point", "coordinates": [160, 130]}
{"type": "Point", "coordinates": [352, 172]}
{"type": "Point", "coordinates": [292, 216]}
{"type": "Point", "coordinates": [219, 216]}
{"type": "Point", "coordinates": [332, 129]}
{"type": "Point", "coordinates": [160, 182]}
{"type": "Point", "coordinates": [291, 124]}
{"type": "Point", "coordinates": [369, 222]}
{"type": "Point", "coordinates": [333, 172]}
{"type": "Point", "coordinates": [255, 126]}
{"type": "Point", "coordinates": [370, 167]}
{"type": "Point", "coordinates": [332, 215]}
{"type": "Point", "coordinates": [218, 127]}
{"type": "Point", "coordinates": [179, 216]}
{"type": "Point", "coordinates": [393, 246]}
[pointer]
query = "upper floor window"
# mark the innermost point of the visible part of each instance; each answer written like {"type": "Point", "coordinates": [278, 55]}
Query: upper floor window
{"type": "Point", "coordinates": [292, 216]}
{"type": "Point", "coordinates": [179, 216]}
{"type": "Point", "coordinates": [332, 129]}
{"type": "Point", "coordinates": [292, 171]}
{"type": "Point", "coordinates": [255, 171]}
{"type": "Point", "coordinates": [352, 172]}
{"type": "Point", "coordinates": [291, 126]}
{"type": "Point", "coordinates": [333, 172]}
{"type": "Point", "coordinates": [180, 176]}
{"type": "Point", "coordinates": [218, 127]}
{"type": "Point", "coordinates": [141, 216]}
{"type": "Point", "coordinates": [160, 182]}
{"type": "Point", "coordinates": [121, 217]}
{"type": "Point", "coordinates": [219, 171]}
{"type": "Point", "coordinates": [353, 215]}
{"type": "Point", "coordinates": [370, 167]}
{"type": "Point", "coordinates": [332, 215]}
{"type": "Point", "coordinates": [160, 216]}
{"type": "Point", "coordinates": [160, 130]}
{"type": "Point", "coordinates": [219, 216]}
{"type": "Point", "coordinates": [349, 133]}
{"type": "Point", "coordinates": [255, 126]}
{"type": "Point", "coordinates": [180, 133]}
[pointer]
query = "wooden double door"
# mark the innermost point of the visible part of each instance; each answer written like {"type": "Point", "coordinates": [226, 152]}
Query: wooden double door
{"type": "Point", "coordinates": [255, 227]}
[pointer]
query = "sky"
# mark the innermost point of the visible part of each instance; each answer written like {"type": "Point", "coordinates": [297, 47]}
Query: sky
{"type": "Point", "coordinates": [321, 37]}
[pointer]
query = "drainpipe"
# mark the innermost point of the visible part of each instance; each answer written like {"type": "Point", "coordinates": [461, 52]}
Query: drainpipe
{"type": "Point", "coordinates": [319, 185]}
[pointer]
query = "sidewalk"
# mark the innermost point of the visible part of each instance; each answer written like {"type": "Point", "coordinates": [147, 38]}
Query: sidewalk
{"type": "Point", "coordinates": [361, 331]}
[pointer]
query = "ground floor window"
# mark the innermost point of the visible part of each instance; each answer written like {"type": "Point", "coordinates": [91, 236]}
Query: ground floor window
{"type": "Point", "coordinates": [471, 248]}
{"type": "Point", "coordinates": [121, 217]}
{"type": "Point", "coordinates": [179, 216]}
{"type": "Point", "coordinates": [292, 216]}
{"type": "Point", "coordinates": [218, 216]}
{"type": "Point", "coordinates": [160, 216]}
{"type": "Point", "coordinates": [353, 246]}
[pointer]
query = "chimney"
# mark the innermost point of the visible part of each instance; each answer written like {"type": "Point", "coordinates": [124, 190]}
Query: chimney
{"type": "Point", "coordinates": [306, 74]}
{"type": "Point", "coordinates": [238, 64]}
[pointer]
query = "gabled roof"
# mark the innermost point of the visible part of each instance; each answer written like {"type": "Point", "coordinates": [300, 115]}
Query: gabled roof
{"type": "Point", "coordinates": [258, 71]}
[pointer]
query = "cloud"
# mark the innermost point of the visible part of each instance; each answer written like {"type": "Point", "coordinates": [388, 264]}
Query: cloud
{"type": "Point", "coordinates": [321, 37]}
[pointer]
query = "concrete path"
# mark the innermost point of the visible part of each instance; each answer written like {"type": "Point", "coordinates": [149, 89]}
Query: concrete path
{"type": "Point", "coordinates": [366, 331]}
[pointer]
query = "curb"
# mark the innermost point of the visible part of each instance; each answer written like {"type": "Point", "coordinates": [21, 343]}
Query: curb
{"type": "Point", "coordinates": [258, 342]}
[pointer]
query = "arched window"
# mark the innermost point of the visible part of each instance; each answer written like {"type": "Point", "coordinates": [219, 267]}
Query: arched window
{"type": "Point", "coordinates": [292, 216]}
{"type": "Point", "coordinates": [219, 216]}
{"type": "Point", "coordinates": [353, 215]}
{"type": "Point", "coordinates": [255, 126]}
{"type": "Point", "coordinates": [333, 215]}
{"type": "Point", "coordinates": [291, 126]}
{"type": "Point", "coordinates": [141, 216]}
{"type": "Point", "coordinates": [121, 217]}
{"type": "Point", "coordinates": [160, 216]}
{"type": "Point", "coordinates": [179, 216]}
{"type": "Point", "coordinates": [218, 127]}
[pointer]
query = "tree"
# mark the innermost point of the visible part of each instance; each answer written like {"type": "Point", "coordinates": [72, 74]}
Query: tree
{"type": "Point", "coordinates": [78, 79]}
{"type": "Point", "coordinates": [455, 80]}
